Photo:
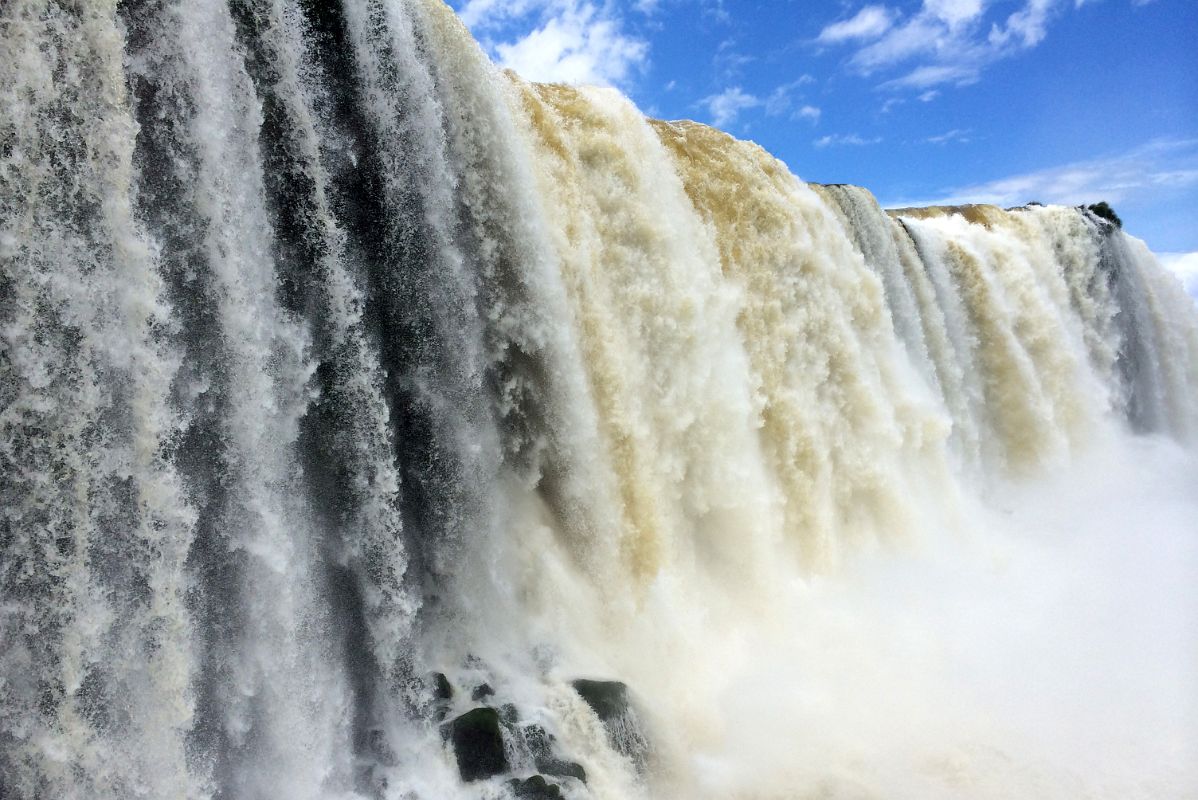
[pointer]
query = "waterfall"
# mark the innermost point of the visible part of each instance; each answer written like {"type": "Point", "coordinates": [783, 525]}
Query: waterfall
{"type": "Point", "coordinates": [348, 383]}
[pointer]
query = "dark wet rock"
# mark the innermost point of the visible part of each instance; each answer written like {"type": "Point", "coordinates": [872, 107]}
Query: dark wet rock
{"type": "Point", "coordinates": [442, 688]}
{"type": "Point", "coordinates": [477, 744]}
{"type": "Point", "coordinates": [609, 699]}
{"type": "Point", "coordinates": [561, 768]}
{"type": "Point", "coordinates": [509, 714]}
{"type": "Point", "coordinates": [611, 703]}
{"type": "Point", "coordinates": [1104, 211]}
{"type": "Point", "coordinates": [442, 692]}
{"type": "Point", "coordinates": [482, 691]}
{"type": "Point", "coordinates": [534, 788]}
{"type": "Point", "coordinates": [539, 740]}
{"type": "Point", "coordinates": [540, 745]}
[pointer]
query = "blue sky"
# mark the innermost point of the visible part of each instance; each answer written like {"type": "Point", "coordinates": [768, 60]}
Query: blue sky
{"type": "Point", "coordinates": [921, 101]}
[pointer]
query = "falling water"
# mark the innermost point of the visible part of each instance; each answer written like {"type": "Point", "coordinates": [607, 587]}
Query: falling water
{"type": "Point", "coordinates": [342, 374]}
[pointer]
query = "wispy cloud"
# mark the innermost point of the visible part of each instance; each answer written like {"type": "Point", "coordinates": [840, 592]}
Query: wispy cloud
{"type": "Point", "coordinates": [714, 9]}
{"type": "Point", "coordinates": [1156, 167]}
{"type": "Point", "coordinates": [568, 41]}
{"type": "Point", "coordinates": [868, 23]}
{"type": "Point", "coordinates": [943, 42]}
{"type": "Point", "coordinates": [941, 28]}
{"type": "Point", "coordinates": [954, 135]}
{"type": "Point", "coordinates": [1185, 267]}
{"type": "Point", "coordinates": [475, 13]}
{"type": "Point", "coordinates": [934, 75]}
{"type": "Point", "coordinates": [726, 106]}
{"type": "Point", "coordinates": [807, 112]}
{"type": "Point", "coordinates": [729, 61]}
{"type": "Point", "coordinates": [1027, 27]}
{"type": "Point", "coordinates": [845, 140]}
{"type": "Point", "coordinates": [782, 101]}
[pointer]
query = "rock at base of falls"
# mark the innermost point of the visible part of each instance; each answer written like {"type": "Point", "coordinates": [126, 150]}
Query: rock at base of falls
{"type": "Point", "coordinates": [612, 704]}
{"type": "Point", "coordinates": [608, 699]}
{"type": "Point", "coordinates": [489, 740]}
{"type": "Point", "coordinates": [477, 744]}
{"type": "Point", "coordinates": [509, 713]}
{"type": "Point", "coordinates": [441, 691]}
{"type": "Point", "coordinates": [442, 688]}
{"type": "Point", "coordinates": [540, 745]}
{"type": "Point", "coordinates": [534, 788]}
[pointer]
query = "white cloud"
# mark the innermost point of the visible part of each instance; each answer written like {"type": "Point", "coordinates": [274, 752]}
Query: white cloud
{"type": "Point", "coordinates": [944, 41]}
{"type": "Point", "coordinates": [807, 112]}
{"type": "Point", "coordinates": [1026, 27]}
{"type": "Point", "coordinates": [567, 41]}
{"type": "Point", "coordinates": [1159, 166]}
{"type": "Point", "coordinates": [726, 106]}
{"type": "Point", "coordinates": [934, 75]}
{"type": "Point", "coordinates": [1185, 267]}
{"type": "Point", "coordinates": [481, 13]}
{"type": "Point", "coordinates": [954, 13]}
{"type": "Point", "coordinates": [942, 29]}
{"type": "Point", "coordinates": [728, 61]}
{"type": "Point", "coordinates": [954, 135]}
{"type": "Point", "coordinates": [929, 95]}
{"type": "Point", "coordinates": [714, 9]}
{"type": "Point", "coordinates": [868, 23]}
{"type": "Point", "coordinates": [780, 100]}
{"type": "Point", "coordinates": [845, 140]}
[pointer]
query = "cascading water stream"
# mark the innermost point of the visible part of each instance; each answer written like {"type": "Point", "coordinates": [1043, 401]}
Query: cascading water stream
{"type": "Point", "coordinates": [348, 385]}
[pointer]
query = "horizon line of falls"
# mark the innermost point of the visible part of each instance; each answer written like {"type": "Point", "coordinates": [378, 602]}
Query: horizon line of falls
{"type": "Point", "coordinates": [348, 384]}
